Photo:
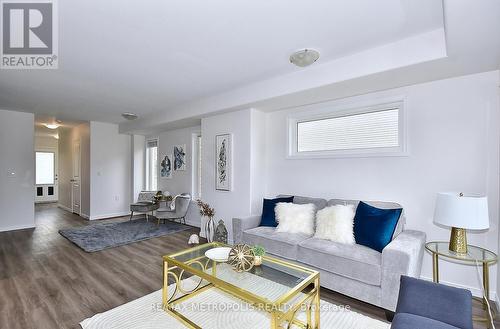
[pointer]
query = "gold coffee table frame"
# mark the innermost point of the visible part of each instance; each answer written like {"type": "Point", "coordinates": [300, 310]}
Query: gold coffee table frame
{"type": "Point", "coordinates": [474, 254]}
{"type": "Point", "coordinates": [304, 295]}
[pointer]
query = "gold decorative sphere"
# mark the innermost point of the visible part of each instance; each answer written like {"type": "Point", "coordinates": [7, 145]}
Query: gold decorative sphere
{"type": "Point", "coordinates": [241, 258]}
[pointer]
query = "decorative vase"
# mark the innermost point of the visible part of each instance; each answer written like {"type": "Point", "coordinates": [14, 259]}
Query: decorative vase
{"type": "Point", "coordinates": [257, 260]}
{"type": "Point", "coordinates": [210, 229]}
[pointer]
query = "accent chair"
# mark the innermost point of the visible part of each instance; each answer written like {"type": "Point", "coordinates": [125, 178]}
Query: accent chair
{"type": "Point", "coordinates": [179, 212]}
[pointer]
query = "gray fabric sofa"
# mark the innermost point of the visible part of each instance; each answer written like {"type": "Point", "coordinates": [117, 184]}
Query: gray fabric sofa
{"type": "Point", "coordinates": [353, 270]}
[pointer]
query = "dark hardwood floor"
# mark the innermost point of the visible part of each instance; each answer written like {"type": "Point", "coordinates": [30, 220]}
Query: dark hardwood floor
{"type": "Point", "coordinates": [47, 282]}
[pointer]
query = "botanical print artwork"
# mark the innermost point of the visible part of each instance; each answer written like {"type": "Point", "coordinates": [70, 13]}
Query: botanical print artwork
{"type": "Point", "coordinates": [223, 162]}
{"type": "Point", "coordinates": [166, 167]}
{"type": "Point", "coordinates": [180, 157]}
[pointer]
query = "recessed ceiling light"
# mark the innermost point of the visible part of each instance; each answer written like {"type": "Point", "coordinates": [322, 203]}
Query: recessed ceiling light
{"type": "Point", "coordinates": [129, 116]}
{"type": "Point", "coordinates": [51, 125]}
{"type": "Point", "coordinates": [304, 57]}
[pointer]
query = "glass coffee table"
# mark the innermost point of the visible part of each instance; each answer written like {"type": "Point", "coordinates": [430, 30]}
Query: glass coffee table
{"type": "Point", "coordinates": [280, 288]}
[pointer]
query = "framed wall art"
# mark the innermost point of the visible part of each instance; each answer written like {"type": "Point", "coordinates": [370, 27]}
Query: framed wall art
{"type": "Point", "coordinates": [223, 162]}
{"type": "Point", "coordinates": [179, 157]}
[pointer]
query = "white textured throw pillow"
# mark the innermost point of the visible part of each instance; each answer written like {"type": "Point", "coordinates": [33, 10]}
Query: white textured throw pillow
{"type": "Point", "coordinates": [295, 218]}
{"type": "Point", "coordinates": [336, 223]}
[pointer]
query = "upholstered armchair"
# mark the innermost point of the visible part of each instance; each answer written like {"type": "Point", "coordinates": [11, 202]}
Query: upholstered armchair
{"type": "Point", "coordinates": [179, 211]}
{"type": "Point", "coordinates": [145, 204]}
{"type": "Point", "coordinates": [429, 305]}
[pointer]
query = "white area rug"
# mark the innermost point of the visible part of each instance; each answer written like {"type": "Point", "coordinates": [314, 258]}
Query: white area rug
{"type": "Point", "coordinates": [214, 309]}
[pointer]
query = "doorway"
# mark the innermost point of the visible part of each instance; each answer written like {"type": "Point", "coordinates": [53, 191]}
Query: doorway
{"type": "Point", "coordinates": [46, 189]}
{"type": "Point", "coordinates": [76, 190]}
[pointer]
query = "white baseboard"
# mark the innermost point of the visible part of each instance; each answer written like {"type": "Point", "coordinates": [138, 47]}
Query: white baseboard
{"type": "Point", "coordinates": [476, 292]}
{"type": "Point", "coordinates": [16, 227]}
{"type": "Point", "coordinates": [71, 211]}
{"type": "Point", "coordinates": [117, 214]}
{"type": "Point", "coordinates": [195, 224]}
{"type": "Point", "coordinates": [64, 207]}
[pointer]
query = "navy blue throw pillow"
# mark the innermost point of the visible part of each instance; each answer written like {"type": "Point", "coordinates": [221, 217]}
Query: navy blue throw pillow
{"type": "Point", "coordinates": [268, 216]}
{"type": "Point", "coordinates": [374, 227]}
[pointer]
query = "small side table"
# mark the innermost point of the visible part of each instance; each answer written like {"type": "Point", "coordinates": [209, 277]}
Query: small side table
{"type": "Point", "coordinates": [481, 255]}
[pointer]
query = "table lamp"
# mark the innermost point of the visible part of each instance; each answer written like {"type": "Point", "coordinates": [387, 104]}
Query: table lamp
{"type": "Point", "coordinates": [461, 212]}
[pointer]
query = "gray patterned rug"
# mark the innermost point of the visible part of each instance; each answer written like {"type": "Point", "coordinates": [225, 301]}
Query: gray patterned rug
{"type": "Point", "coordinates": [96, 237]}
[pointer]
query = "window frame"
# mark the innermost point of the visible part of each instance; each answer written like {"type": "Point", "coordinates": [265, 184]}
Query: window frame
{"type": "Point", "coordinates": [147, 186]}
{"type": "Point", "coordinates": [197, 165]}
{"type": "Point", "coordinates": [329, 111]}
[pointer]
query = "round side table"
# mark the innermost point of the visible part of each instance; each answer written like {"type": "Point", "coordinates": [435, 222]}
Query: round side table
{"type": "Point", "coordinates": [474, 254]}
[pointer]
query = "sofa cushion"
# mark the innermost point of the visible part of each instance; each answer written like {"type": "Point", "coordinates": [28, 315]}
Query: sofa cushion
{"type": "Point", "coordinates": [276, 243]}
{"type": "Point", "coordinates": [268, 215]}
{"type": "Point", "coordinates": [378, 204]}
{"type": "Point", "coordinates": [374, 227]}
{"type": "Point", "coordinates": [411, 321]}
{"type": "Point", "coordinates": [336, 223]}
{"type": "Point", "coordinates": [144, 206]}
{"type": "Point", "coordinates": [319, 203]}
{"type": "Point", "coordinates": [295, 218]}
{"type": "Point", "coordinates": [353, 261]}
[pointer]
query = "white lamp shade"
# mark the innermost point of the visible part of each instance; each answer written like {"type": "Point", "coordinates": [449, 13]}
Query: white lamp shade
{"type": "Point", "coordinates": [466, 211]}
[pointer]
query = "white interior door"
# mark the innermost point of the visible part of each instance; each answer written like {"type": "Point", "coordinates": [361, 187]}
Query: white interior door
{"type": "Point", "coordinates": [76, 194]}
{"type": "Point", "coordinates": [46, 175]}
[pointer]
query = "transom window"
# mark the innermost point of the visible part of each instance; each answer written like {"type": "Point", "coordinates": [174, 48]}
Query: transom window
{"type": "Point", "coordinates": [323, 132]}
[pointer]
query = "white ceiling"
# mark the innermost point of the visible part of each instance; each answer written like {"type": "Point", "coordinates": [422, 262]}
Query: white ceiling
{"type": "Point", "coordinates": [174, 61]}
{"type": "Point", "coordinates": [146, 56]}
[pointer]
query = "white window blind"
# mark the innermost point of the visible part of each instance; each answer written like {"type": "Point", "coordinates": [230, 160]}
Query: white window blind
{"type": "Point", "coordinates": [152, 143]}
{"type": "Point", "coordinates": [329, 131]}
{"type": "Point", "coordinates": [358, 131]}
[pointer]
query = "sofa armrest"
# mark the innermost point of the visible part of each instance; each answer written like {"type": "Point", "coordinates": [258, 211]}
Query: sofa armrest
{"type": "Point", "coordinates": [403, 256]}
{"type": "Point", "coordinates": [436, 301]}
{"type": "Point", "coordinates": [242, 224]}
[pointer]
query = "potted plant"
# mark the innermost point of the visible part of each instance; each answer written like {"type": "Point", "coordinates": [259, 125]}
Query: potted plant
{"type": "Point", "coordinates": [258, 252]}
{"type": "Point", "coordinates": [209, 213]}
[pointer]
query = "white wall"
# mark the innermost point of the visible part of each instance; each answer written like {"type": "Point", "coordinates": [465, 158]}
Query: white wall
{"type": "Point", "coordinates": [258, 170]}
{"type": "Point", "coordinates": [110, 171]}
{"type": "Point", "coordinates": [138, 164]}
{"type": "Point", "coordinates": [82, 133]}
{"type": "Point", "coordinates": [42, 142]}
{"type": "Point", "coordinates": [181, 181]}
{"type": "Point", "coordinates": [247, 184]}
{"type": "Point", "coordinates": [498, 276]}
{"type": "Point", "coordinates": [65, 167]}
{"type": "Point", "coordinates": [17, 170]}
{"type": "Point", "coordinates": [453, 140]}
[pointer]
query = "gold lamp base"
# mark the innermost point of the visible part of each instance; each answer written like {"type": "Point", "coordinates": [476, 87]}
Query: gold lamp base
{"type": "Point", "coordinates": [458, 240]}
